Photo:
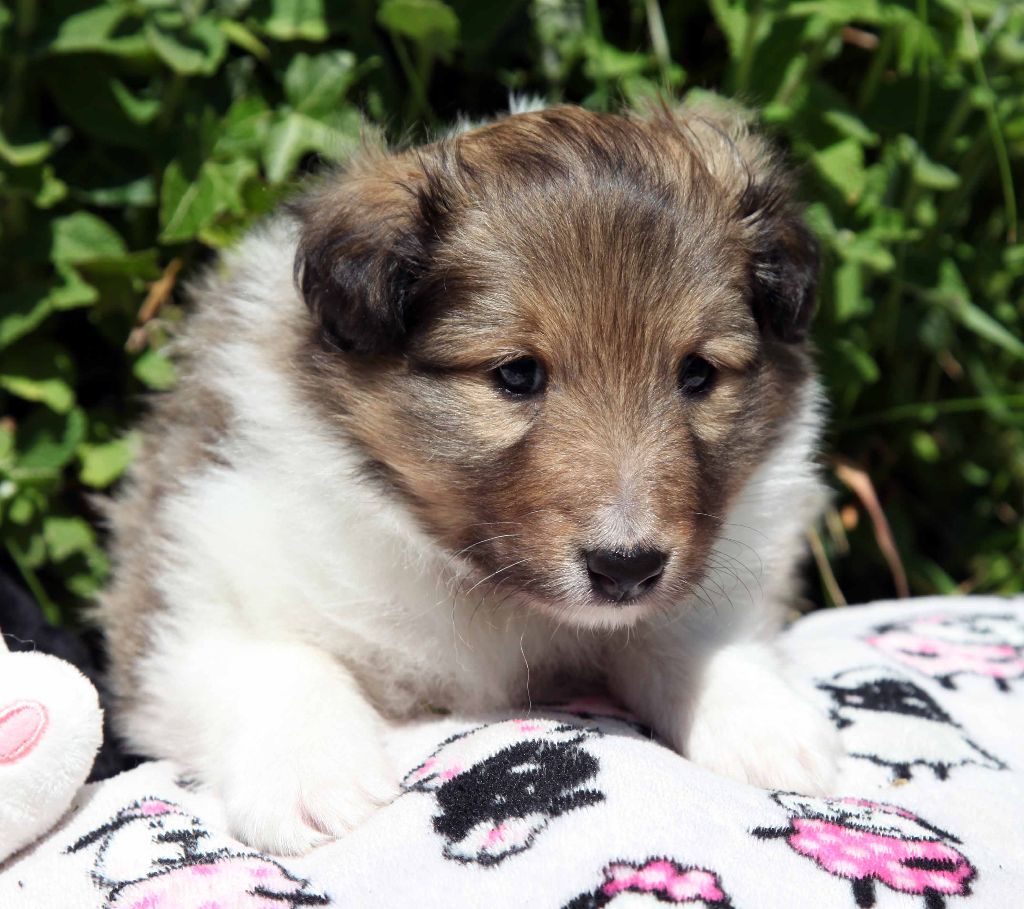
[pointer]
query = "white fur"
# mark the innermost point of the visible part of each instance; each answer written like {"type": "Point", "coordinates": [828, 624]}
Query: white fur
{"type": "Point", "coordinates": [296, 594]}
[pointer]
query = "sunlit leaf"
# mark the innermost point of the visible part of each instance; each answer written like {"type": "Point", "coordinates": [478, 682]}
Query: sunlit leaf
{"type": "Point", "coordinates": [297, 135]}
{"type": "Point", "coordinates": [196, 50]}
{"type": "Point", "coordinates": [47, 441]}
{"type": "Point", "coordinates": [315, 85]}
{"type": "Point", "coordinates": [66, 536]}
{"type": "Point", "coordinates": [296, 20]}
{"type": "Point", "coordinates": [155, 370]}
{"type": "Point", "coordinates": [430, 23]}
{"type": "Point", "coordinates": [39, 372]}
{"type": "Point", "coordinates": [83, 237]}
{"type": "Point", "coordinates": [103, 463]}
{"type": "Point", "coordinates": [842, 165]}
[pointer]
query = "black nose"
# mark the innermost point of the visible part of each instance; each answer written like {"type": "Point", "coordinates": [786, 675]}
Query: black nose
{"type": "Point", "coordinates": [624, 575]}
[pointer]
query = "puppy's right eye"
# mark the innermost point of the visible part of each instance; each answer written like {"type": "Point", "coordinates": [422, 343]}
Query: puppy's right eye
{"type": "Point", "coordinates": [522, 378]}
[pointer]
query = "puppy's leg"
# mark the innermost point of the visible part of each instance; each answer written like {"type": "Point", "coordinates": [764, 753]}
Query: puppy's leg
{"type": "Point", "coordinates": [281, 731]}
{"type": "Point", "coordinates": [729, 708]}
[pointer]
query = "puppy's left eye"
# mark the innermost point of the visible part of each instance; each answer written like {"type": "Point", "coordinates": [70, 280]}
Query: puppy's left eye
{"type": "Point", "coordinates": [696, 376]}
{"type": "Point", "coordinates": [523, 377]}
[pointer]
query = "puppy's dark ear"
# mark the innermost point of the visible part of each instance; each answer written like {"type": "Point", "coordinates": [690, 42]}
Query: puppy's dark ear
{"type": "Point", "coordinates": [366, 238]}
{"type": "Point", "coordinates": [784, 263]}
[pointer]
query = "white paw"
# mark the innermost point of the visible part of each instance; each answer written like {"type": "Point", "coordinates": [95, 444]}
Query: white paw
{"type": "Point", "coordinates": [286, 792]}
{"type": "Point", "coordinates": [768, 736]}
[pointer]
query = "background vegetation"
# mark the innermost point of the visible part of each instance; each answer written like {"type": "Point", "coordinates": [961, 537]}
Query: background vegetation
{"type": "Point", "coordinates": [136, 136]}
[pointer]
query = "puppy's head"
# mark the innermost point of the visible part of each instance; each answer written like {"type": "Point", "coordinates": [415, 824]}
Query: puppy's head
{"type": "Point", "coordinates": [566, 339]}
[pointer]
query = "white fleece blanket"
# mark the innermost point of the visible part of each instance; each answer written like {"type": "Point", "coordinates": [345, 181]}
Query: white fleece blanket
{"type": "Point", "coordinates": [581, 809]}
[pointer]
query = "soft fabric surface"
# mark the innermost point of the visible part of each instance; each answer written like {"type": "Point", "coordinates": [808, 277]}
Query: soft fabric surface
{"type": "Point", "coordinates": [580, 809]}
{"type": "Point", "coordinates": [50, 730]}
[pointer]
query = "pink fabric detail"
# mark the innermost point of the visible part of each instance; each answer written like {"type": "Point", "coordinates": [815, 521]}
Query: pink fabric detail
{"type": "Point", "coordinates": [859, 854]}
{"type": "Point", "coordinates": [496, 835]}
{"type": "Point", "coordinates": [155, 806]}
{"type": "Point", "coordinates": [423, 770]}
{"type": "Point", "coordinates": [875, 806]}
{"type": "Point", "coordinates": [936, 657]}
{"type": "Point", "coordinates": [21, 726]}
{"type": "Point", "coordinates": [527, 726]}
{"type": "Point", "coordinates": [662, 876]}
{"type": "Point", "coordinates": [452, 771]}
{"type": "Point", "coordinates": [227, 884]}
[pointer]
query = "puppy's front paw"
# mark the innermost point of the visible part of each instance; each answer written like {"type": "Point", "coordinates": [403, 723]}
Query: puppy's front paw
{"type": "Point", "coordinates": [289, 792]}
{"type": "Point", "coordinates": [768, 736]}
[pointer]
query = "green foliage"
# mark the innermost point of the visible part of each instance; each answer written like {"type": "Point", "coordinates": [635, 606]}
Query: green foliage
{"type": "Point", "coordinates": [137, 135]}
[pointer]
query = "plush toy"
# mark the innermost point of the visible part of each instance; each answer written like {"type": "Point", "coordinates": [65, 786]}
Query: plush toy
{"type": "Point", "coordinates": [51, 726]}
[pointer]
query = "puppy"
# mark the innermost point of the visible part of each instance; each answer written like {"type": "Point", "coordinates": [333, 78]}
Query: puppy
{"type": "Point", "coordinates": [527, 409]}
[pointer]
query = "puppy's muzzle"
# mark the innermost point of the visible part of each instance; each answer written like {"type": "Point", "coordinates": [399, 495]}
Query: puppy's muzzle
{"type": "Point", "coordinates": [622, 576]}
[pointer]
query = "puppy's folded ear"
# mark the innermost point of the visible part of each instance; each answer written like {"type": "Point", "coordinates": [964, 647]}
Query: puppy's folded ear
{"type": "Point", "coordinates": [784, 260]}
{"type": "Point", "coordinates": [366, 238]}
{"type": "Point", "coordinates": [783, 252]}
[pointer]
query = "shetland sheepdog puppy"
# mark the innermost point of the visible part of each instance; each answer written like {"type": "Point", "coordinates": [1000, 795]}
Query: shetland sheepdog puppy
{"type": "Point", "coordinates": [520, 412]}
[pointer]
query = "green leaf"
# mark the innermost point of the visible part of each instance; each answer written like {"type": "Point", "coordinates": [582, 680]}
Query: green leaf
{"type": "Point", "coordinates": [865, 249]}
{"type": "Point", "coordinates": [606, 61]}
{"type": "Point", "coordinates": [926, 172]}
{"type": "Point", "coordinates": [47, 441]}
{"type": "Point", "coordinates": [842, 165]}
{"type": "Point", "coordinates": [194, 51]}
{"type": "Point", "coordinates": [430, 23]}
{"type": "Point", "coordinates": [66, 536]}
{"type": "Point", "coordinates": [931, 175]}
{"type": "Point", "coordinates": [102, 464]}
{"type": "Point", "coordinates": [241, 37]}
{"type": "Point", "coordinates": [39, 371]}
{"type": "Point", "coordinates": [138, 110]}
{"type": "Point", "coordinates": [296, 20]}
{"type": "Point", "coordinates": [851, 126]}
{"type": "Point", "coordinates": [22, 310]}
{"type": "Point", "coordinates": [860, 359]}
{"type": "Point", "coordinates": [732, 18]}
{"type": "Point", "coordinates": [316, 85]}
{"type": "Point", "coordinates": [154, 370]}
{"type": "Point", "coordinates": [952, 293]}
{"type": "Point", "coordinates": [74, 292]}
{"type": "Point", "coordinates": [38, 183]}
{"type": "Point", "coordinates": [187, 207]}
{"type": "Point", "coordinates": [243, 130]}
{"type": "Point", "coordinates": [101, 30]}
{"type": "Point", "coordinates": [6, 449]}
{"type": "Point", "coordinates": [839, 12]}
{"type": "Point", "coordinates": [850, 301]}
{"type": "Point", "coordinates": [82, 237]}
{"type": "Point", "coordinates": [25, 154]}
{"type": "Point", "coordinates": [925, 446]}
{"type": "Point", "coordinates": [137, 193]}
{"type": "Point", "coordinates": [296, 135]}
{"type": "Point", "coordinates": [85, 95]}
